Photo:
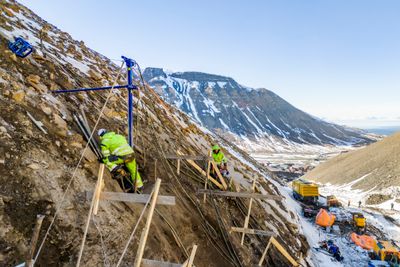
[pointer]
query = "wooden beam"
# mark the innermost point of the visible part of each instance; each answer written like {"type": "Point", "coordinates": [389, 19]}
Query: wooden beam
{"type": "Point", "coordinates": [251, 231]}
{"type": "Point", "coordinates": [219, 175]}
{"type": "Point", "coordinates": [35, 237]}
{"type": "Point", "coordinates": [178, 167]}
{"type": "Point", "coordinates": [133, 198]}
{"type": "Point", "coordinates": [281, 249]}
{"type": "Point", "coordinates": [207, 177]}
{"type": "Point", "coordinates": [237, 194]}
{"type": "Point", "coordinates": [145, 233]}
{"type": "Point", "coordinates": [97, 190]}
{"type": "Point", "coordinates": [199, 169]}
{"type": "Point", "coordinates": [246, 220]}
{"type": "Point", "coordinates": [154, 263]}
{"type": "Point", "coordinates": [264, 253]}
{"type": "Point", "coordinates": [191, 258]}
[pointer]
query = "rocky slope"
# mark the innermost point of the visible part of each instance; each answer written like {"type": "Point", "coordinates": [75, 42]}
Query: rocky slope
{"type": "Point", "coordinates": [374, 168]}
{"type": "Point", "coordinates": [256, 119]}
{"type": "Point", "coordinates": [36, 167]}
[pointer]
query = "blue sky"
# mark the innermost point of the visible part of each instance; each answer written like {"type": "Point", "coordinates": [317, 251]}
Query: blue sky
{"type": "Point", "coordinates": [336, 59]}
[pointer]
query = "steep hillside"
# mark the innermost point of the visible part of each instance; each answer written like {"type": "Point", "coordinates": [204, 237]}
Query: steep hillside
{"type": "Point", "coordinates": [374, 167]}
{"type": "Point", "coordinates": [254, 118]}
{"type": "Point", "coordinates": [36, 168]}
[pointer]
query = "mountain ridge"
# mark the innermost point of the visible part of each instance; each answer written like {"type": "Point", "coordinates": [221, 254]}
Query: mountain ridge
{"type": "Point", "coordinates": [259, 115]}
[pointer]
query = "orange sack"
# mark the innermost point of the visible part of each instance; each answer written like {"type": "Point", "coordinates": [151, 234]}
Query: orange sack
{"type": "Point", "coordinates": [324, 218]}
{"type": "Point", "coordinates": [364, 241]}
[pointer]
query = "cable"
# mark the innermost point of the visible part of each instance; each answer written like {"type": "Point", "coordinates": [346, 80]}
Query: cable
{"type": "Point", "coordinates": [76, 168]}
{"type": "Point", "coordinates": [106, 261]}
{"type": "Point", "coordinates": [134, 229]}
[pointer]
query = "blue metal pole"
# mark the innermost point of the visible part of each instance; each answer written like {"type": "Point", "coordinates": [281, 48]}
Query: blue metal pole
{"type": "Point", "coordinates": [129, 64]}
{"type": "Point", "coordinates": [89, 89]}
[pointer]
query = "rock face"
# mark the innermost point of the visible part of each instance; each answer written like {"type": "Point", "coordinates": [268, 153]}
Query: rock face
{"type": "Point", "coordinates": [37, 166]}
{"type": "Point", "coordinates": [219, 102]}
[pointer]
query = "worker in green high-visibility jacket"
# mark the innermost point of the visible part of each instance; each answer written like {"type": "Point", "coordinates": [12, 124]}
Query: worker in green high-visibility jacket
{"type": "Point", "coordinates": [220, 159]}
{"type": "Point", "coordinates": [116, 154]}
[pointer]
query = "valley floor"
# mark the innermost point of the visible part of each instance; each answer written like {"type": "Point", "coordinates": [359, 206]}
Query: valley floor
{"type": "Point", "coordinates": [382, 222]}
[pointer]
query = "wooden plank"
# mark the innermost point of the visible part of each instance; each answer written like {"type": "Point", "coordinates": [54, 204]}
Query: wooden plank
{"type": "Point", "coordinates": [246, 220]}
{"type": "Point", "coordinates": [35, 237]}
{"type": "Point", "coordinates": [178, 167]}
{"type": "Point", "coordinates": [133, 198]}
{"type": "Point", "coordinates": [98, 189]}
{"type": "Point", "coordinates": [145, 233]}
{"type": "Point", "coordinates": [219, 175]}
{"type": "Point", "coordinates": [154, 263]}
{"type": "Point", "coordinates": [199, 169]}
{"type": "Point", "coordinates": [264, 253]}
{"type": "Point", "coordinates": [237, 194]}
{"type": "Point", "coordinates": [191, 258]}
{"type": "Point", "coordinates": [207, 177]}
{"type": "Point", "coordinates": [281, 249]}
{"type": "Point", "coordinates": [251, 231]}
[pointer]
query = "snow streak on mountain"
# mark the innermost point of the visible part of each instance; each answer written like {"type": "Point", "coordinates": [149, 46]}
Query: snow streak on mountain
{"type": "Point", "coordinates": [258, 117]}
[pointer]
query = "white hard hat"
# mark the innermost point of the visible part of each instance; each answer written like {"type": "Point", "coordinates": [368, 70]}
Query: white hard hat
{"type": "Point", "coordinates": [101, 132]}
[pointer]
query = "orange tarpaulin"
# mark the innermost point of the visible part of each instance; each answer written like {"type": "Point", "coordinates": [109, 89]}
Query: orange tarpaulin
{"type": "Point", "coordinates": [364, 241]}
{"type": "Point", "coordinates": [324, 218]}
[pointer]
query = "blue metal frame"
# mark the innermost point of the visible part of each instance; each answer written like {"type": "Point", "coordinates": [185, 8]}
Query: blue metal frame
{"type": "Point", "coordinates": [20, 47]}
{"type": "Point", "coordinates": [130, 86]}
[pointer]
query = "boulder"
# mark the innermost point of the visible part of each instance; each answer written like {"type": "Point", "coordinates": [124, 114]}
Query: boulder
{"type": "Point", "coordinates": [61, 125]}
{"type": "Point", "coordinates": [18, 96]}
{"type": "Point", "coordinates": [34, 166]}
{"type": "Point", "coordinates": [33, 79]}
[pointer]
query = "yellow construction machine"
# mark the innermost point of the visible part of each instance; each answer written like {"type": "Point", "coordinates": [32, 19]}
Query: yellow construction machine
{"type": "Point", "coordinates": [305, 191]}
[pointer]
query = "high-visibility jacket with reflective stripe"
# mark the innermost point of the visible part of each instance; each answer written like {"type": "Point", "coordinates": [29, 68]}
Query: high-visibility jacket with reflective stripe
{"type": "Point", "coordinates": [219, 157]}
{"type": "Point", "coordinates": [114, 144]}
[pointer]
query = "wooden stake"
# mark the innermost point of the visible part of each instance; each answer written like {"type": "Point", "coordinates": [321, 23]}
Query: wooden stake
{"type": "Point", "coordinates": [281, 249]}
{"type": "Point", "coordinates": [35, 236]}
{"type": "Point", "coordinates": [207, 177]}
{"type": "Point", "coordinates": [97, 190]}
{"type": "Point", "coordinates": [246, 220]}
{"type": "Point", "coordinates": [199, 169]}
{"type": "Point", "coordinates": [219, 175]}
{"type": "Point", "coordinates": [145, 232]}
{"type": "Point", "coordinates": [265, 253]}
{"type": "Point", "coordinates": [191, 258]}
{"type": "Point", "coordinates": [155, 169]}
{"type": "Point", "coordinates": [98, 185]}
{"type": "Point", "coordinates": [178, 166]}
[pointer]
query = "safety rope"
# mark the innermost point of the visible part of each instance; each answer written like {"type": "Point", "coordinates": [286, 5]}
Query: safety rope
{"type": "Point", "coordinates": [134, 229]}
{"type": "Point", "coordinates": [77, 166]}
{"type": "Point", "coordinates": [106, 261]}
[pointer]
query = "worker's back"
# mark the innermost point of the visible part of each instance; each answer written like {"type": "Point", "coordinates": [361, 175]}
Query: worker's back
{"type": "Point", "coordinates": [115, 142]}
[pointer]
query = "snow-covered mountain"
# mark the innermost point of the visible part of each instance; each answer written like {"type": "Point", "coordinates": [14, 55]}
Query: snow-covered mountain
{"type": "Point", "coordinates": [256, 118]}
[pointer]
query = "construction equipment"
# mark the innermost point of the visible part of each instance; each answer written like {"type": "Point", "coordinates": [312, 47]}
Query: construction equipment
{"type": "Point", "coordinates": [20, 47]}
{"type": "Point", "coordinates": [332, 201]}
{"type": "Point", "coordinates": [305, 191]}
{"type": "Point", "coordinates": [359, 222]}
{"type": "Point", "coordinates": [386, 251]}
